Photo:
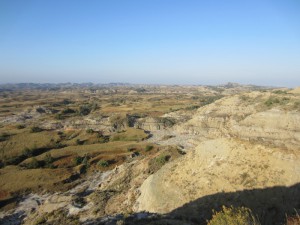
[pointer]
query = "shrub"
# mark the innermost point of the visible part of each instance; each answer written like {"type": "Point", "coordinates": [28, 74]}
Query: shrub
{"type": "Point", "coordinates": [27, 152]}
{"type": "Point", "coordinates": [140, 90]}
{"type": "Point", "coordinates": [244, 98]}
{"type": "Point", "coordinates": [272, 101]}
{"type": "Point", "coordinates": [84, 110]}
{"type": "Point", "coordinates": [168, 122]}
{"type": "Point", "coordinates": [233, 216]}
{"type": "Point", "coordinates": [192, 107]}
{"type": "Point", "coordinates": [20, 126]}
{"type": "Point", "coordinates": [85, 161]}
{"type": "Point", "coordinates": [103, 163]}
{"type": "Point", "coordinates": [130, 149]}
{"type": "Point", "coordinates": [285, 100]}
{"type": "Point", "coordinates": [78, 160]}
{"type": "Point", "coordinates": [149, 148]}
{"type": "Point", "coordinates": [14, 160]}
{"type": "Point", "coordinates": [59, 116]}
{"type": "Point", "coordinates": [40, 220]}
{"type": "Point", "coordinates": [210, 100]}
{"type": "Point", "coordinates": [33, 164]}
{"type": "Point", "coordinates": [162, 159]}
{"type": "Point", "coordinates": [79, 142]}
{"type": "Point", "coordinates": [48, 160]}
{"type": "Point", "coordinates": [4, 137]}
{"type": "Point", "coordinates": [103, 139]}
{"type": "Point", "coordinates": [35, 129]}
{"type": "Point", "coordinates": [58, 145]}
{"type": "Point", "coordinates": [94, 106]}
{"type": "Point", "coordinates": [66, 102]}
{"type": "Point", "coordinates": [280, 92]}
{"type": "Point", "coordinates": [118, 121]}
{"type": "Point", "coordinates": [68, 111]}
{"type": "Point", "coordinates": [166, 137]}
{"type": "Point", "coordinates": [89, 131]}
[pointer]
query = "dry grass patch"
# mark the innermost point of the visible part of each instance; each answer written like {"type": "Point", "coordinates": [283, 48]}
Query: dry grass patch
{"type": "Point", "coordinates": [65, 157]}
{"type": "Point", "coordinates": [14, 180]}
{"type": "Point", "coordinates": [17, 143]}
{"type": "Point", "coordinates": [130, 134]}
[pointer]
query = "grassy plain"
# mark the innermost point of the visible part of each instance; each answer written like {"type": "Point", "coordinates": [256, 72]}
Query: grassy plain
{"type": "Point", "coordinates": [51, 137]}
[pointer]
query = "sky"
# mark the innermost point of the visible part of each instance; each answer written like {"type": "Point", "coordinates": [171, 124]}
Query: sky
{"type": "Point", "coordinates": [151, 41]}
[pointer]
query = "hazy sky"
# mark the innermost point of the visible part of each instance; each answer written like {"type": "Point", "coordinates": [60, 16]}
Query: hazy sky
{"type": "Point", "coordinates": [151, 41]}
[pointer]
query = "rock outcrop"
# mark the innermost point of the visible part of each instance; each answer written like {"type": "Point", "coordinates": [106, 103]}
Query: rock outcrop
{"type": "Point", "coordinates": [217, 166]}
{"type": "Point", "coordinates": [247, 119]}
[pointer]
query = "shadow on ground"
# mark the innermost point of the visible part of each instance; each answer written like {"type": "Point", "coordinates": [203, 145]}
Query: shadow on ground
{"type": "Point", "coordinates": [270, 205]}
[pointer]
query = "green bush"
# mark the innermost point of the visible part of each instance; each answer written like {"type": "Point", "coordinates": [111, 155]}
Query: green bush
{"type": "Point", "coordinates": [59, 116]}
{"type": "Point", "coordinates": [35, 129]}
{"type": "Point", "coordinates": [27, 152]}
{"type": "Point", "coordinates": [84, 110]}
{"type": "Point", "coordinates": [79, 142]}
{"type": "Point", "coordinates": [20, 126]}
{"type": "Point", "coordinates": [272, 101]}
{"type": "Point", "coordinates": [78, 160]}
{"type": "Point", "coordinates": [48, 160]}
{"type": "Point", "coordinates": [66, 102]}
{"type": "Point", "coordinates": [233, 216]}
{"type": "Point", "coordinates": [58, 145]}
{"type": "Point", "coordinates": [210, 99]}
{"type": "Point", "coordinates": [40, 220]}
{"type": "Point", "coordinates": [118, 121]}
{"type": "Point", "coordinates": [192, 107]}
{"type": "Point", "coordinates": [280, 92]}
{"type": "Point", "coordinates": [103, 163]}
{"type": "Point", "coordinates": [103, 139]}
{"type": "Point", "coordinates": [68, 111]}
{"type": "Point", "coordinates": [149, 148]}
{"type": "Point", "coordinates": [89, 131]}
{"type": "Point", "coordinates": [168, 122]}
{"type": "Point", "coordinates": [4, 137]}
{"type": "Point", "coordinates": [162, 159]}
{"type": "Point", "coordinates": [85, 161]}
{"type": "Point", "coordinates": [33, 164]}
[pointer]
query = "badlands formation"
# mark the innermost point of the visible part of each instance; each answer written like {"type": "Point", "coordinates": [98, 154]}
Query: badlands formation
{"type": "Point", "coordinates": [240, 145]}
{"type": "Point", "coordinates": [167, 166]}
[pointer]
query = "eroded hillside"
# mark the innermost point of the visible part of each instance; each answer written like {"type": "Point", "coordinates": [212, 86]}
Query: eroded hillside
{"type": "Point", "coordinates": [245, 142]}
{"type": "Point", "coordinates": [148, 154]}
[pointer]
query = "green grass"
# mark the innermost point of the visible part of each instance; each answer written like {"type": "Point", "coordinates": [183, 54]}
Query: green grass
{"type": "Point", "coordinates": [130, 134]}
